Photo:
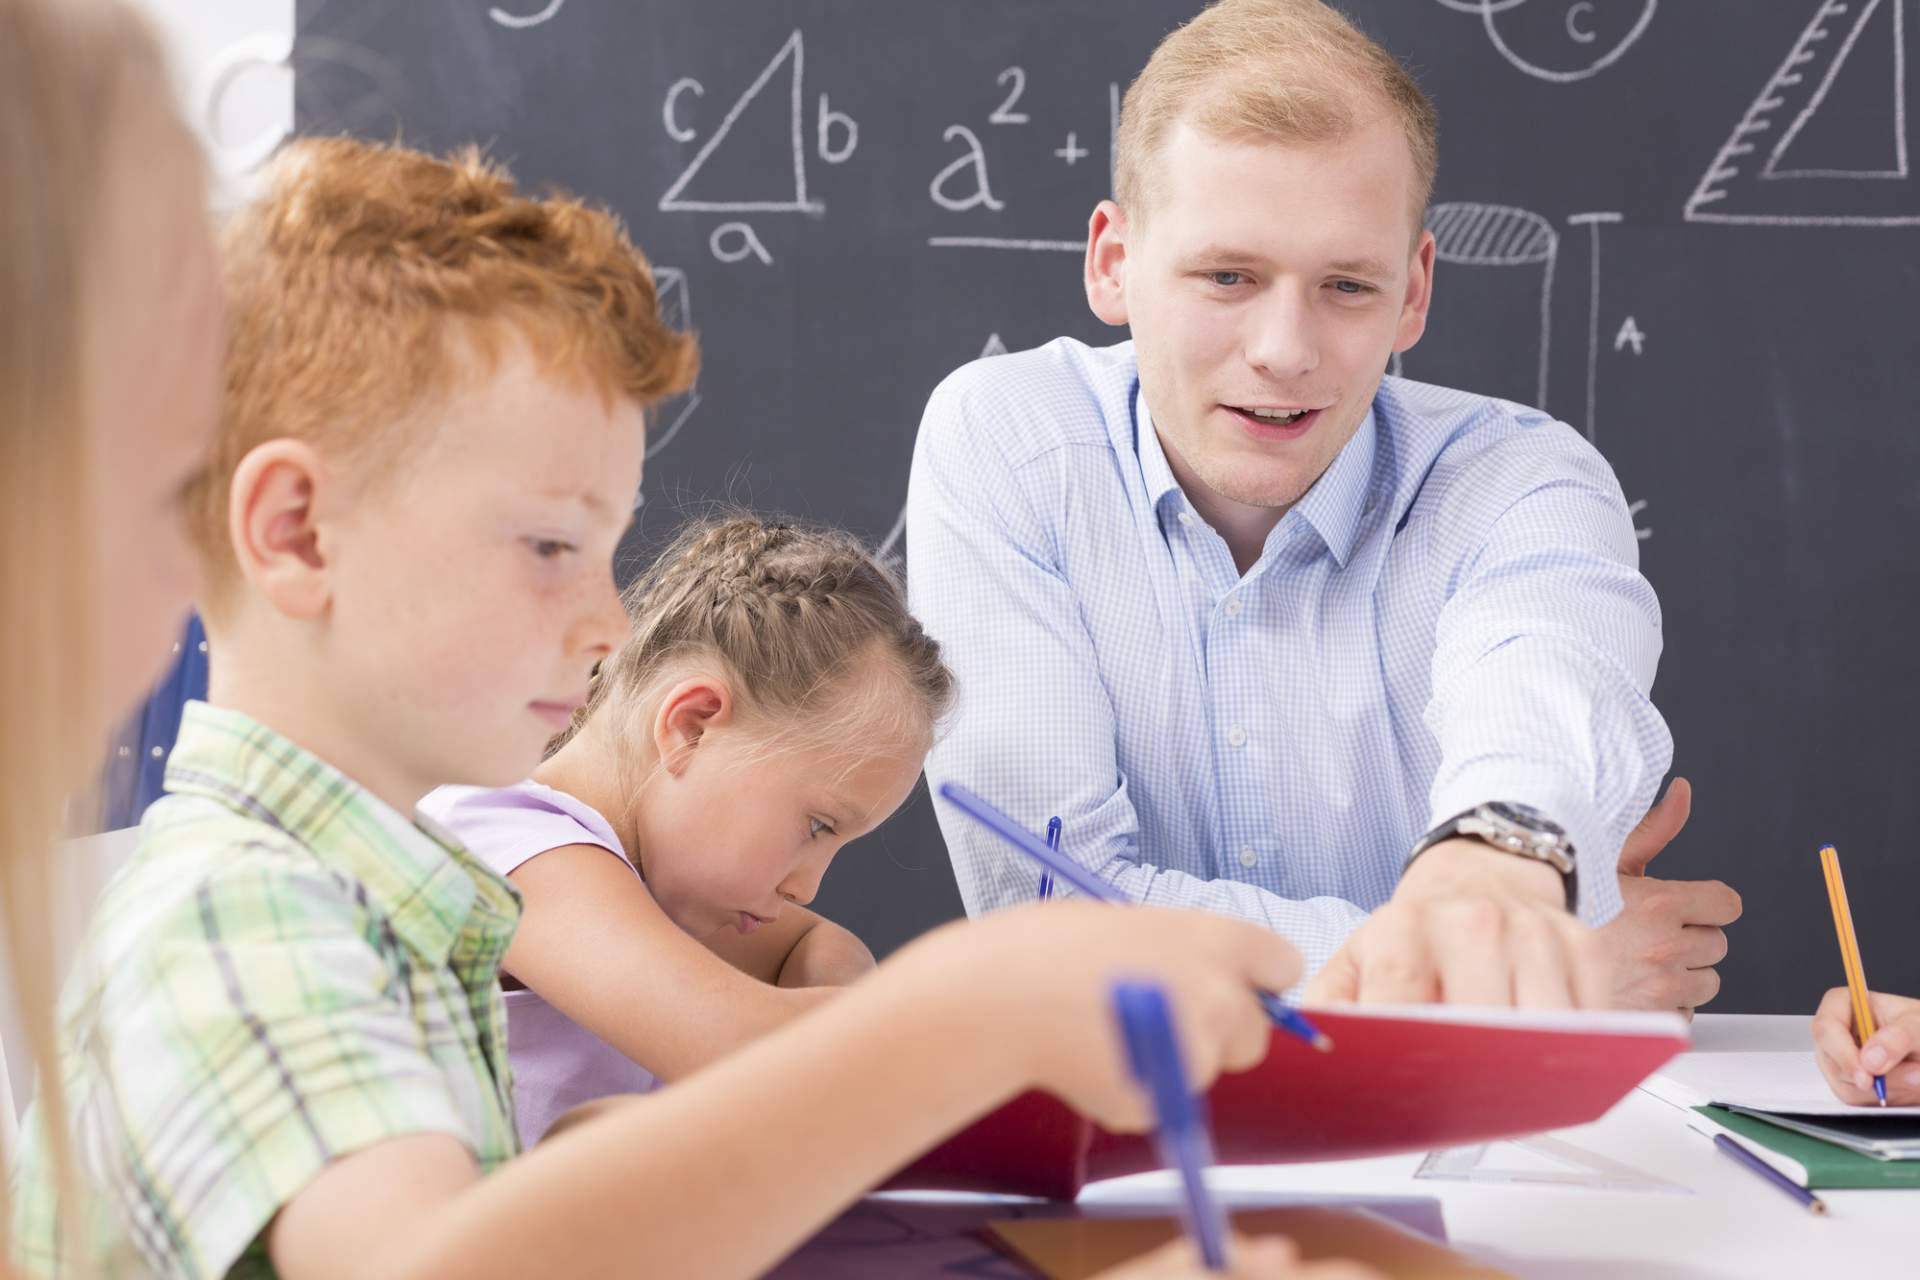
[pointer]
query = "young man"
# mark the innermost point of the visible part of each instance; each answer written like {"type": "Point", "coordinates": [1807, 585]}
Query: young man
{"type": "Point", "coordinates": [1259, 623]}
{"type": "Point", "coordinates": [284, 1045]}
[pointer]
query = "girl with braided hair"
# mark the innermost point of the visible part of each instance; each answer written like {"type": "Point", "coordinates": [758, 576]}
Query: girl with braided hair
{"type": "Point", "coordinates": [774, 700]}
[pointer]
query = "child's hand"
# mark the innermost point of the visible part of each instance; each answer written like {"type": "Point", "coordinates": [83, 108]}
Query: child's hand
{"type": "Point", "coordinates": [1034, 984]}
{"type": "Point", "coordinates": [1259, 1258]}
{"type": "Point", "coordinates": [1893, 1052]}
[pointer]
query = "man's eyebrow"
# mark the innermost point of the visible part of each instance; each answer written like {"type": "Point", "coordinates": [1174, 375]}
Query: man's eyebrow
{"type": "Point", "coordinates": [1360, 267]}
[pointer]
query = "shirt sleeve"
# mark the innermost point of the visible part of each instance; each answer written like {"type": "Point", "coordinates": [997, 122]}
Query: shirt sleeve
{"type": "Point", "coordinates": [255, 1034]}
{"type": "Point", "coordinates": [1543, 670]}
{"type": "Point", "coordinates": [1034, 728]}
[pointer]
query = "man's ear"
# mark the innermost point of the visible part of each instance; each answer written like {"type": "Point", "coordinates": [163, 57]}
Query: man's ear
{"type": "Point", "coordinates": [1419, 295]}
{"type": "Point", "coordinates": [688, 711]}
{"type": "Point", "coordinates": [272, 526]}
{"type": "Point", "coordinates": [1106, 268]}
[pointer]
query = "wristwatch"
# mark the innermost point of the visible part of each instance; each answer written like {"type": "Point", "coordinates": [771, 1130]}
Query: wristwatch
{"type": "Point", "coordinates": [1511, 828]}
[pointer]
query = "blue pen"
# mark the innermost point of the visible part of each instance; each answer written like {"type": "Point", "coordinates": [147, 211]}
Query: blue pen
{"type": "Point", "coordinates": [1053, 843]}
{"type": "Point", "coordinates": [1182, 1134]}
{"type": "Point", "coordinates": [1064, 868]}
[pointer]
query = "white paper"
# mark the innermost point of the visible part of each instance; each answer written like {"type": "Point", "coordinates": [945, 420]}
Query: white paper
{"type": "Point", "coordinates": [1784, 1082]}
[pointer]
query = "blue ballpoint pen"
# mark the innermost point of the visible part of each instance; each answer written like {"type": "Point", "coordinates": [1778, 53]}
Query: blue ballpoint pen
{"type": "Point", "coordinates": [1053, 843]}
{"type": "Point", "coordinates": [1182, 1135]}
{"type": "Point", "coordinates": [1064, 868]}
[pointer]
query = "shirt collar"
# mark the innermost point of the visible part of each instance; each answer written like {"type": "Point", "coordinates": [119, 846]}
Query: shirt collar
{"type": "Point", "coordinates": [1338, 498]}
{"type": "Point", "coordinates": [1332, 507]}
{"type": "Point", "coordinates": [417, 873]}
{"type": "Point", "coordinates": [1154, 467]}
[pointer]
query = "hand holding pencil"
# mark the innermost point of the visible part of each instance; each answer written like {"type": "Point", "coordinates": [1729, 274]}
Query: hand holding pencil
{"type": "Point", "coordinates": [1892, 1052]}
{"type": "Point", "coordinates": [1886, 1028]}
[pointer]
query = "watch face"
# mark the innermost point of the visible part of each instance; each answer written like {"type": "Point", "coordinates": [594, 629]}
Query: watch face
{"type": "Point", "coordinates": [1525, 816]}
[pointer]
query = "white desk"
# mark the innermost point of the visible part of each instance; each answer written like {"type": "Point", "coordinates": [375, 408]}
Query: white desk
{"type": "Point", "coordinates": [1723, 1222]}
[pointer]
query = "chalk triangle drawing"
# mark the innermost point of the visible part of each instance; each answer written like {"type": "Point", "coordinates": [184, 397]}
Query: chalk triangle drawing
{"type": "Point", "coordinates": [994, 347]}
{"type": "Point", "coordinates": [1789, 162]}
{"type": "Point", "coordinates": [791, 145]}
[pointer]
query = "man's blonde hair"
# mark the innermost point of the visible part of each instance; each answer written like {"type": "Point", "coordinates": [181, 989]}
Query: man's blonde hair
{"type": "Point", "coordinates": [1284, 70]}
{"type": "Point", "coordinates": [365, 275]}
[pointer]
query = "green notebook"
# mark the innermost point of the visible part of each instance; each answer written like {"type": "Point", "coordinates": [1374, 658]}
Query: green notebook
{"type": "Point", "coordinates": [1829, 1167]}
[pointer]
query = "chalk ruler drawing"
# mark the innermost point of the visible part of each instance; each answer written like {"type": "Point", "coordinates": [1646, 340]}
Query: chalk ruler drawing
{"type": "Point", "coordinates": [1791, 187]}
{"type": "Point", "coordinates": [521, 21]}
{"type": "Point", "coordinates": [1590, 36]}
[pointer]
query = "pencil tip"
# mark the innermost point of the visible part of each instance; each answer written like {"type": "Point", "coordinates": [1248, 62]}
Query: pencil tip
{"type": "Point", "coordinates": [1324, 1042]}
{"type": "Point", "coordinates": [1818, 1208]}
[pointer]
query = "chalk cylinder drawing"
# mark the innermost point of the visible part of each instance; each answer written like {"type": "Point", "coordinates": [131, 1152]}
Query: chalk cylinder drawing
{"type": "Point", "coordinates": [1492, 330]}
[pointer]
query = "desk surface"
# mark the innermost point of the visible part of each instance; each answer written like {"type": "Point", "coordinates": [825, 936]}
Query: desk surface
{"type": "Point", "coordinates": [1716, 1221]}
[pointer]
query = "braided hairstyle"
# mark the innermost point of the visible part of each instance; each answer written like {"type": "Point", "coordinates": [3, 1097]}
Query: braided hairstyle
{"type": "Point", "coordinates": [813, 631]}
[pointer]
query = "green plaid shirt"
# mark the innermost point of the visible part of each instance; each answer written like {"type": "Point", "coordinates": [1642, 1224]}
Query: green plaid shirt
{"type": "Point", "coordinates": [285, 972]}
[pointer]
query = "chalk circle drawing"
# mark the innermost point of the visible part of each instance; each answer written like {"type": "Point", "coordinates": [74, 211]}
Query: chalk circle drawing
{"type": "Point", "coordinates": [1796, 186]}
{"type": "Point", "coordinates": [891, 553]}
{"type": "Point", "coordinates": [974, 159]}
{"type": "Point", "coordinates": [786, 199]}
{"type": "Point", "coordinates": [520, 21]}
{"type": "Point", "coordinates": [665, 419]}
{"type": "Point", "coordinates": [1635, 510]}
{"type": "Point", "coordinates": [1561, 41]}
{"type": "Point", "coordinates": [268, 50]}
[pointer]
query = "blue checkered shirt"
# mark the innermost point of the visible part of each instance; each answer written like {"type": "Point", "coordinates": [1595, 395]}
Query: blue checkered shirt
{"type": "Point", "coordinates": [1452, 614]}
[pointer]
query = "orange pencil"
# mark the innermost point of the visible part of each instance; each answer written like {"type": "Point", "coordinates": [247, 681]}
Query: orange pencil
{"type": "Point", "coordinates": [1850, 956]}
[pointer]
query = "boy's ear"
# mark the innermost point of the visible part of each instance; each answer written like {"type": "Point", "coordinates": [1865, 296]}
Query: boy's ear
{"type": "Point", "coordinates": [272, 526]}
{"type": "Point", "coordinates": [1106, 265]}
{"type": "Point", "coordinates": [688, 711]}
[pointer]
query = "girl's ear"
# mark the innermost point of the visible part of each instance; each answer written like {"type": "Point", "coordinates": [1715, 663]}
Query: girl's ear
{"type": "Point", "coordinates": [687, 712]}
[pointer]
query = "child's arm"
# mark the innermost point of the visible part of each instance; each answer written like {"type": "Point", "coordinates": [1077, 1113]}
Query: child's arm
{"type": "Point", "coordinates": [800, 949]}
{"type": "Point", "coordinates": [725, 1172]}
{"type": "Point", "coordinates": [594, 944]}
{"type": "Point", "coordinates": [1893, 1051]}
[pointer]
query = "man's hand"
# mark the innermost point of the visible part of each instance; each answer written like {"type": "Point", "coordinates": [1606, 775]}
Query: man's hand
{"type": "Point", "coordinates": [1663, 945]}
{"type": "Point", "coordinates": [1470, 925]}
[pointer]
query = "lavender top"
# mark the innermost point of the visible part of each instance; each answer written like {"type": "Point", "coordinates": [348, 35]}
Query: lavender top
{"type": "Point", "coordinates": [557, 1063]}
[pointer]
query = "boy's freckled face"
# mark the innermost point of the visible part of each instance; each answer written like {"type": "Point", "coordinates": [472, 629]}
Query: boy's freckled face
{"type": "Point", "coordinates": [474, 589]}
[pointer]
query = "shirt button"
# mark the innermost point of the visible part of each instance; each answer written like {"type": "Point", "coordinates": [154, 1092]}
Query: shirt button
{"type": "Point", "coordinates": [1186, 518]}
{"type": "Point", "coordinates": [203, 646]}
{"type": "Point", "coordinates": [1237, 736]}
{"type": "Point", "coordinates": [1233, 607]}
{"type": "Point", "coordinates": [1247, 856]}
{"type": "Point", "coordinates": [157, 752]}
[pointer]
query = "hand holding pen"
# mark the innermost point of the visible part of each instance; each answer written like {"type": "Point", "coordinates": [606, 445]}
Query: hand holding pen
{"type": "Point", "coordinates": [1186, 1146]}
{"type": "Point", "coordinates": [1072, 873]}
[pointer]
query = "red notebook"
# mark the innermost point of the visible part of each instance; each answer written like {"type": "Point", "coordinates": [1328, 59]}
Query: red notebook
{"type": "Point", "coordinates": [1397, 1079]}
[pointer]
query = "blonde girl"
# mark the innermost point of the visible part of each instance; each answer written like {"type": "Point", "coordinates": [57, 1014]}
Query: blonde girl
{"type": "Point", "coordinates": [109, 388]}
{"type": "Point", "coordinates": [775, 701]}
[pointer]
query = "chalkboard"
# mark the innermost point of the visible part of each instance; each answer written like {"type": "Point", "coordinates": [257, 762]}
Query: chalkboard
{"type": "Point", "coordinates": [1688, 229]}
